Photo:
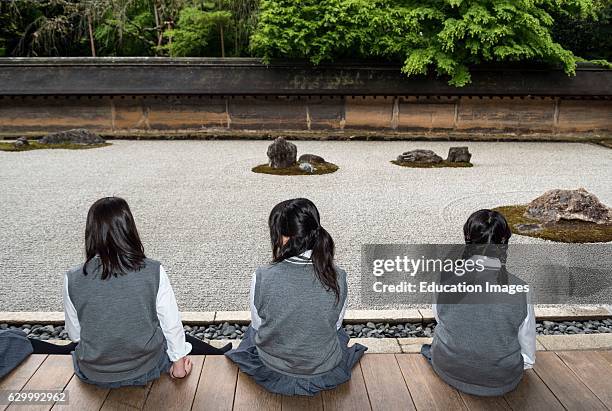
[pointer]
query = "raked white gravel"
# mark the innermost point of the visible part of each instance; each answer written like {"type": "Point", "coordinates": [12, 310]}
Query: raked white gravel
{"type": "Point", "coordinates": [203, 213]}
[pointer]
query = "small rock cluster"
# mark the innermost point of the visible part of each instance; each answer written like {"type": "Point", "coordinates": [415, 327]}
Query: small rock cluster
{"type": "Point", "coordinates": [455, 155]}
{"type": "Point", "coordinates": [556, 205]}
{"type": "Point", "coordinates": [386, 330]}
{"type": "Point", "coordinates": [225, 331]}
{"type": "Point", "coordinates": [283, 154]}
{"type": "Point", "coordinates": [75, 136]}
{"type": "Point", "coordinates": [228, 331]}
{"type": "Point", "coordinates": [574, 327]}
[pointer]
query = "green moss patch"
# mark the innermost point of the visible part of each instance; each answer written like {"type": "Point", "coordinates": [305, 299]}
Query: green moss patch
{"type": "Point", "coordinates": [442, 164]}
{"type": "Point", "coordinates": [322, 168]}
{"type": "Point", "coordinates": [34, 145]}
{"type": "Point", "coordinates": [564, 231]}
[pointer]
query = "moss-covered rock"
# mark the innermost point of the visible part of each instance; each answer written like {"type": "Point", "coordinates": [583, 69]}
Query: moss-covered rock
{"type": "Point", "coordinates": [35, 145]}
{"type": "Point", "coordinates": [441, 164]}
{"type": "Point", "coordinates": [295, 170]}
{"type": "Point", "coordinates": [564, 231]}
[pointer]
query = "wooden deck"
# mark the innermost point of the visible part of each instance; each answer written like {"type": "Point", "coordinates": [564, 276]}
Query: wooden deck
{"type": "Point", "coordinates": [573, 380]}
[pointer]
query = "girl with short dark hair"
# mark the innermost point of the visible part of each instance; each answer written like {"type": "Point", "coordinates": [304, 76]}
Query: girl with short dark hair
{"type": "Point", "coordinates": [120, 307]}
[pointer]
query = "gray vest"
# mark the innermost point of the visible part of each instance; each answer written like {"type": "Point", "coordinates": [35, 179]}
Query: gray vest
{"type": "Point", "coordinates": [120, 333]}
{"type": "Point", "coordinates": [475, 347]}
{"type": "Point", "coordinates": [298, 334]}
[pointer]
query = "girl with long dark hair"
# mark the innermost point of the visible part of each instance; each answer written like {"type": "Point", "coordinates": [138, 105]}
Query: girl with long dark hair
{"type": "Point", "coordinates": [120, 308]}
{"type": "Point", "coordinates": [489, 363]}
{"type": "Point", "coordinates": [296, 344]}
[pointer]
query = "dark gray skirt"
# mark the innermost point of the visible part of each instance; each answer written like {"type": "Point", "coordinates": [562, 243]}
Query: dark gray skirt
{"type": "Point", "coordinates": [163, 366]}
{"type": "Point", "coordinates": [247, 359]}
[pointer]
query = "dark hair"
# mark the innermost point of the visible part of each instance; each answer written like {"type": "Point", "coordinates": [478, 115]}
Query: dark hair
{"type": "Point", "coordinates": [111, 235]}
{"type": "Point", "coordinates": [299, 220]}
{"type": "Point", "coordinates": [488, 227]}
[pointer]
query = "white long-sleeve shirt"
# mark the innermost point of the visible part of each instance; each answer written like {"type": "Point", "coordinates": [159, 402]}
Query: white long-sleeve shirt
{"type": "Point", "coordinates": [256, 320]}
{"type": "Point", "coordinates": [167, 313]}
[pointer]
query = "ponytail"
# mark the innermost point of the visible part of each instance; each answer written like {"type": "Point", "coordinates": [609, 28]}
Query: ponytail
{"type": "Point", "coordinates": [298, 219]}
{"type": "Point", "coordinates": [323, 261]}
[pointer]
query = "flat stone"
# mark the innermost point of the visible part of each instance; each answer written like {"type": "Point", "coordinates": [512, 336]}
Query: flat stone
{"type": "Point", "coordinates": [427, 314]}
{"type": "Point", "coordinates": [363, 316]}
{"type": "Point", "coordinates": [32, 317]}
{"type": "Point", "coordinates": [576, 342]}
{"type": "Point", "coordinates": [572, 312]}
{"type": "Point", "coordinates": [413, 345]}
{"type": "Point", "coordinates": [419, 156]}
{"type": "Point", "coordinates": [198, 318]}
{"type": "Point", "coordinates": [311, 158]}
{"type": "Point", "coordinates": [233, 317]}
{"type": "Point", "coordinates": [378, 345]}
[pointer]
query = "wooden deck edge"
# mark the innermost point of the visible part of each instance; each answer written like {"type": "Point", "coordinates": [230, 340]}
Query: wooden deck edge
{"type": "Point", "coordinates": [580, 342]}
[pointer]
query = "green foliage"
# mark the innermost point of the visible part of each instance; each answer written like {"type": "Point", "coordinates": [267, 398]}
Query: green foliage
{"type": "Point", "coordinates": [447, 36]}
{"type": "Point", "coordinates": [589, 35]}
{"type": "Point", "coordinates": [196, 28]}
{"type": "Point", "coordinates": [127, 30]}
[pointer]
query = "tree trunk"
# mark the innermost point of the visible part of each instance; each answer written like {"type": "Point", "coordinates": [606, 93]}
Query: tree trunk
{"type": "Point", "coordinates": [91, 37]}
{"type": "Point", "coordinates": [222, 41]}
{"type": "Point", "coordinates": [158, 26]}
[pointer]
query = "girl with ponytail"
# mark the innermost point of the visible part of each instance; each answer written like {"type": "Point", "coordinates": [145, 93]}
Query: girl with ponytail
{"type": "Point", "coordinates": [488, 364]}
{"type": "Point", "coordinates": [296, 344]}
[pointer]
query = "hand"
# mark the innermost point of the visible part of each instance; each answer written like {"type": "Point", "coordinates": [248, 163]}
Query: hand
{"type": "Point", "coordinates": [181, 368]}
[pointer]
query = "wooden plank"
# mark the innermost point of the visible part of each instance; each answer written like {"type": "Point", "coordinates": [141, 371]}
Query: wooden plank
{"type": "Point", "coordinates": [19, 377]}
{"type": "Point", "coordinates": [82, 396]}
{"type": "Point", "coordinates": [53, 374]}
{"type": "Point", "coordinates": [116, 406]}
{"type": "Point", "coordinates": [351, 395]}
{"type": "Point", "coordinates": [127, 398]}
{"type": "Point", "coordinates": [593, 370]}
{"type": "Point", "coordinates": [385, 383]}
{"type": "Point", "coordinates": [607, 355]}
{"type": "Point", "coordinates": [252, 397]}
{"type": "Point", "coordinates": [475, 403]}
{"type": "Point", "coordinates": [169, 394]}
{"type": "Point", "coordinates": [217, 384]}
{"type": "Point", "coordinates": [532, 394]}
{"type": "Point", "coordinates": [568, 389]}
{"type": "Point", "coordinates": [300, 403]}
{"type": "Point", "coordinates": [428, 391]}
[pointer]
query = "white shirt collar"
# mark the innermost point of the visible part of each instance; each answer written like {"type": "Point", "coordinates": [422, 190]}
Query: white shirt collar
{"type": "Point", "coordinates": [304, 258]}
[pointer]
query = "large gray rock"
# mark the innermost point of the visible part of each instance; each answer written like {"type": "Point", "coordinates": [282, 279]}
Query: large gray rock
{"type": "Point", "coordinates": [311, 158]}
{"type": "Point", "coordinates": [419, 156]}
{"type": "Point", "coordinates": [555, 205]}
{"type": "Point", "coordinates": [459, 155]}
{"type": "Point", "coordinates": [282, 154]}
{"type": "Point", "coordinates": [75, 136]}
